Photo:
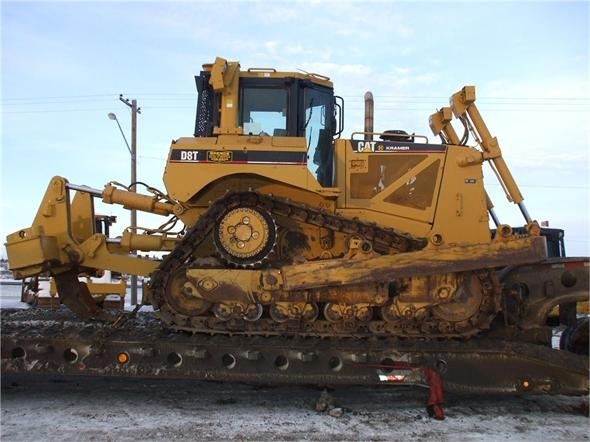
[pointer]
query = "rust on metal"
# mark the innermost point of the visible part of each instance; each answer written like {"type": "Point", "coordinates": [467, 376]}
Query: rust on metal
{"type": "Point", "coordinates": [75, 295]}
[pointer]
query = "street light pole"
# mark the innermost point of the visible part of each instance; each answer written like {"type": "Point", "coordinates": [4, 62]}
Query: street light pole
{"type": "Point", "coordinates": [113, 117]}
{"type": "Point", "coordinates": [133, 152]}
{"type": "Point", "coordinates": [133, 186]}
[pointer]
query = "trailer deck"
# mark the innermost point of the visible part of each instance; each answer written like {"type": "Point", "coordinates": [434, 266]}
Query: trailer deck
{"type": "Point", "coordinates": [41, 341]}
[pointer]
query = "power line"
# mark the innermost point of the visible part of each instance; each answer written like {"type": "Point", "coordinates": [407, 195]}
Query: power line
{"type": "Point", "coordinates": [405, 98]}
{"type": "Point", "coordinates": [479, 98]}
{"type": "Point", "coordinates": [433, 97]}
{"type": "Point", "coordinates": [349, 108]}
{"type": "Point", "coordinates": [545, 186]}
{"type": "Point", "coordinates": [59, 97]}
{"type": "Point", "coordinates": [42, 111]}
{"type": "Point", "coordinates": [401, 103]}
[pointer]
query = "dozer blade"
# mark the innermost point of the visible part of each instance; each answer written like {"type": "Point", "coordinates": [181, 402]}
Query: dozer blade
{"type": "Point", "coordinates": [75, 294]}
{"type": "Point", "coordinates": [461, 258]}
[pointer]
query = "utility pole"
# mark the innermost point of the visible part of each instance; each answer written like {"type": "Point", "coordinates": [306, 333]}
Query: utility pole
{"type": "Point", "coordinates": [134, 111]}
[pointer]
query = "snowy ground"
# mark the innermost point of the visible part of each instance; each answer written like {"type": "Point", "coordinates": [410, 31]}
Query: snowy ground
{"type": "Point", "coordinates": [92, 409]}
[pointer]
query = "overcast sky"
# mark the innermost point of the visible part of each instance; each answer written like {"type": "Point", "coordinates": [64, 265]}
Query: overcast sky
{"type": "Point", "coordinates": [64, 65]}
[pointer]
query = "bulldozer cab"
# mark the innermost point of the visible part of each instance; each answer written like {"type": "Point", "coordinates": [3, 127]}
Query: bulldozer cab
{"type": "Point", "coordinates": [264, 102]}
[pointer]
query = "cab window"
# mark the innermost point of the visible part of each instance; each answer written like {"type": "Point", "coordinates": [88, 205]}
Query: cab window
{"type": "Point", "coordinates": [319, 128]}
{"type": "Point", "coordinates": [263, 111]}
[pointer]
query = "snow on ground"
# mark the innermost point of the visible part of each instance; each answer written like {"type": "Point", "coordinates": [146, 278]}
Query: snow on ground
{"type": "Point", "coordinates": [95, 409]}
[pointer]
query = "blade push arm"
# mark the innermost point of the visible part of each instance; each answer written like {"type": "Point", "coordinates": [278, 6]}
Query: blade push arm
{"type": "Point", "coordinates": [63, 236]}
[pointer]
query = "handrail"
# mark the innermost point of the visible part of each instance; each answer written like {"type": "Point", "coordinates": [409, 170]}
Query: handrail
{"type": "Point", "coordinates": [390, 135]}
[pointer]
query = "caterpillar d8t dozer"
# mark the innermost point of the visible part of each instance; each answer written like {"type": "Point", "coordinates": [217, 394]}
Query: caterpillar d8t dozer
{"type": "Point", "coordinates": [291, 230]}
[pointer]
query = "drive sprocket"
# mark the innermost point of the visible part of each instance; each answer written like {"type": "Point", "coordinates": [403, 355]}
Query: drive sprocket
{"type": "Point", "coordinates": [245, 236]}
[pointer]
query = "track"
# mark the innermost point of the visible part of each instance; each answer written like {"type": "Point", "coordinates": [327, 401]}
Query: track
{"type": "Point", "coordinates": [187, 313]}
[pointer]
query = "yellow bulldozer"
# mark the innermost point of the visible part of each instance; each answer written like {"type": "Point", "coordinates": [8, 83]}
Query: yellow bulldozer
{"type": "Point", "coordinates": [290, 229]}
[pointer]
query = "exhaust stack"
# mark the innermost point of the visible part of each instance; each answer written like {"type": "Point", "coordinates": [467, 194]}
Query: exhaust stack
{"type": "Point", "coordinates": [369, 109]}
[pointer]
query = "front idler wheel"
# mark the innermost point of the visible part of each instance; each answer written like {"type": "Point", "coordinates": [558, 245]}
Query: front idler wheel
{"type": "Point", "coordinates": [181, 298]}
